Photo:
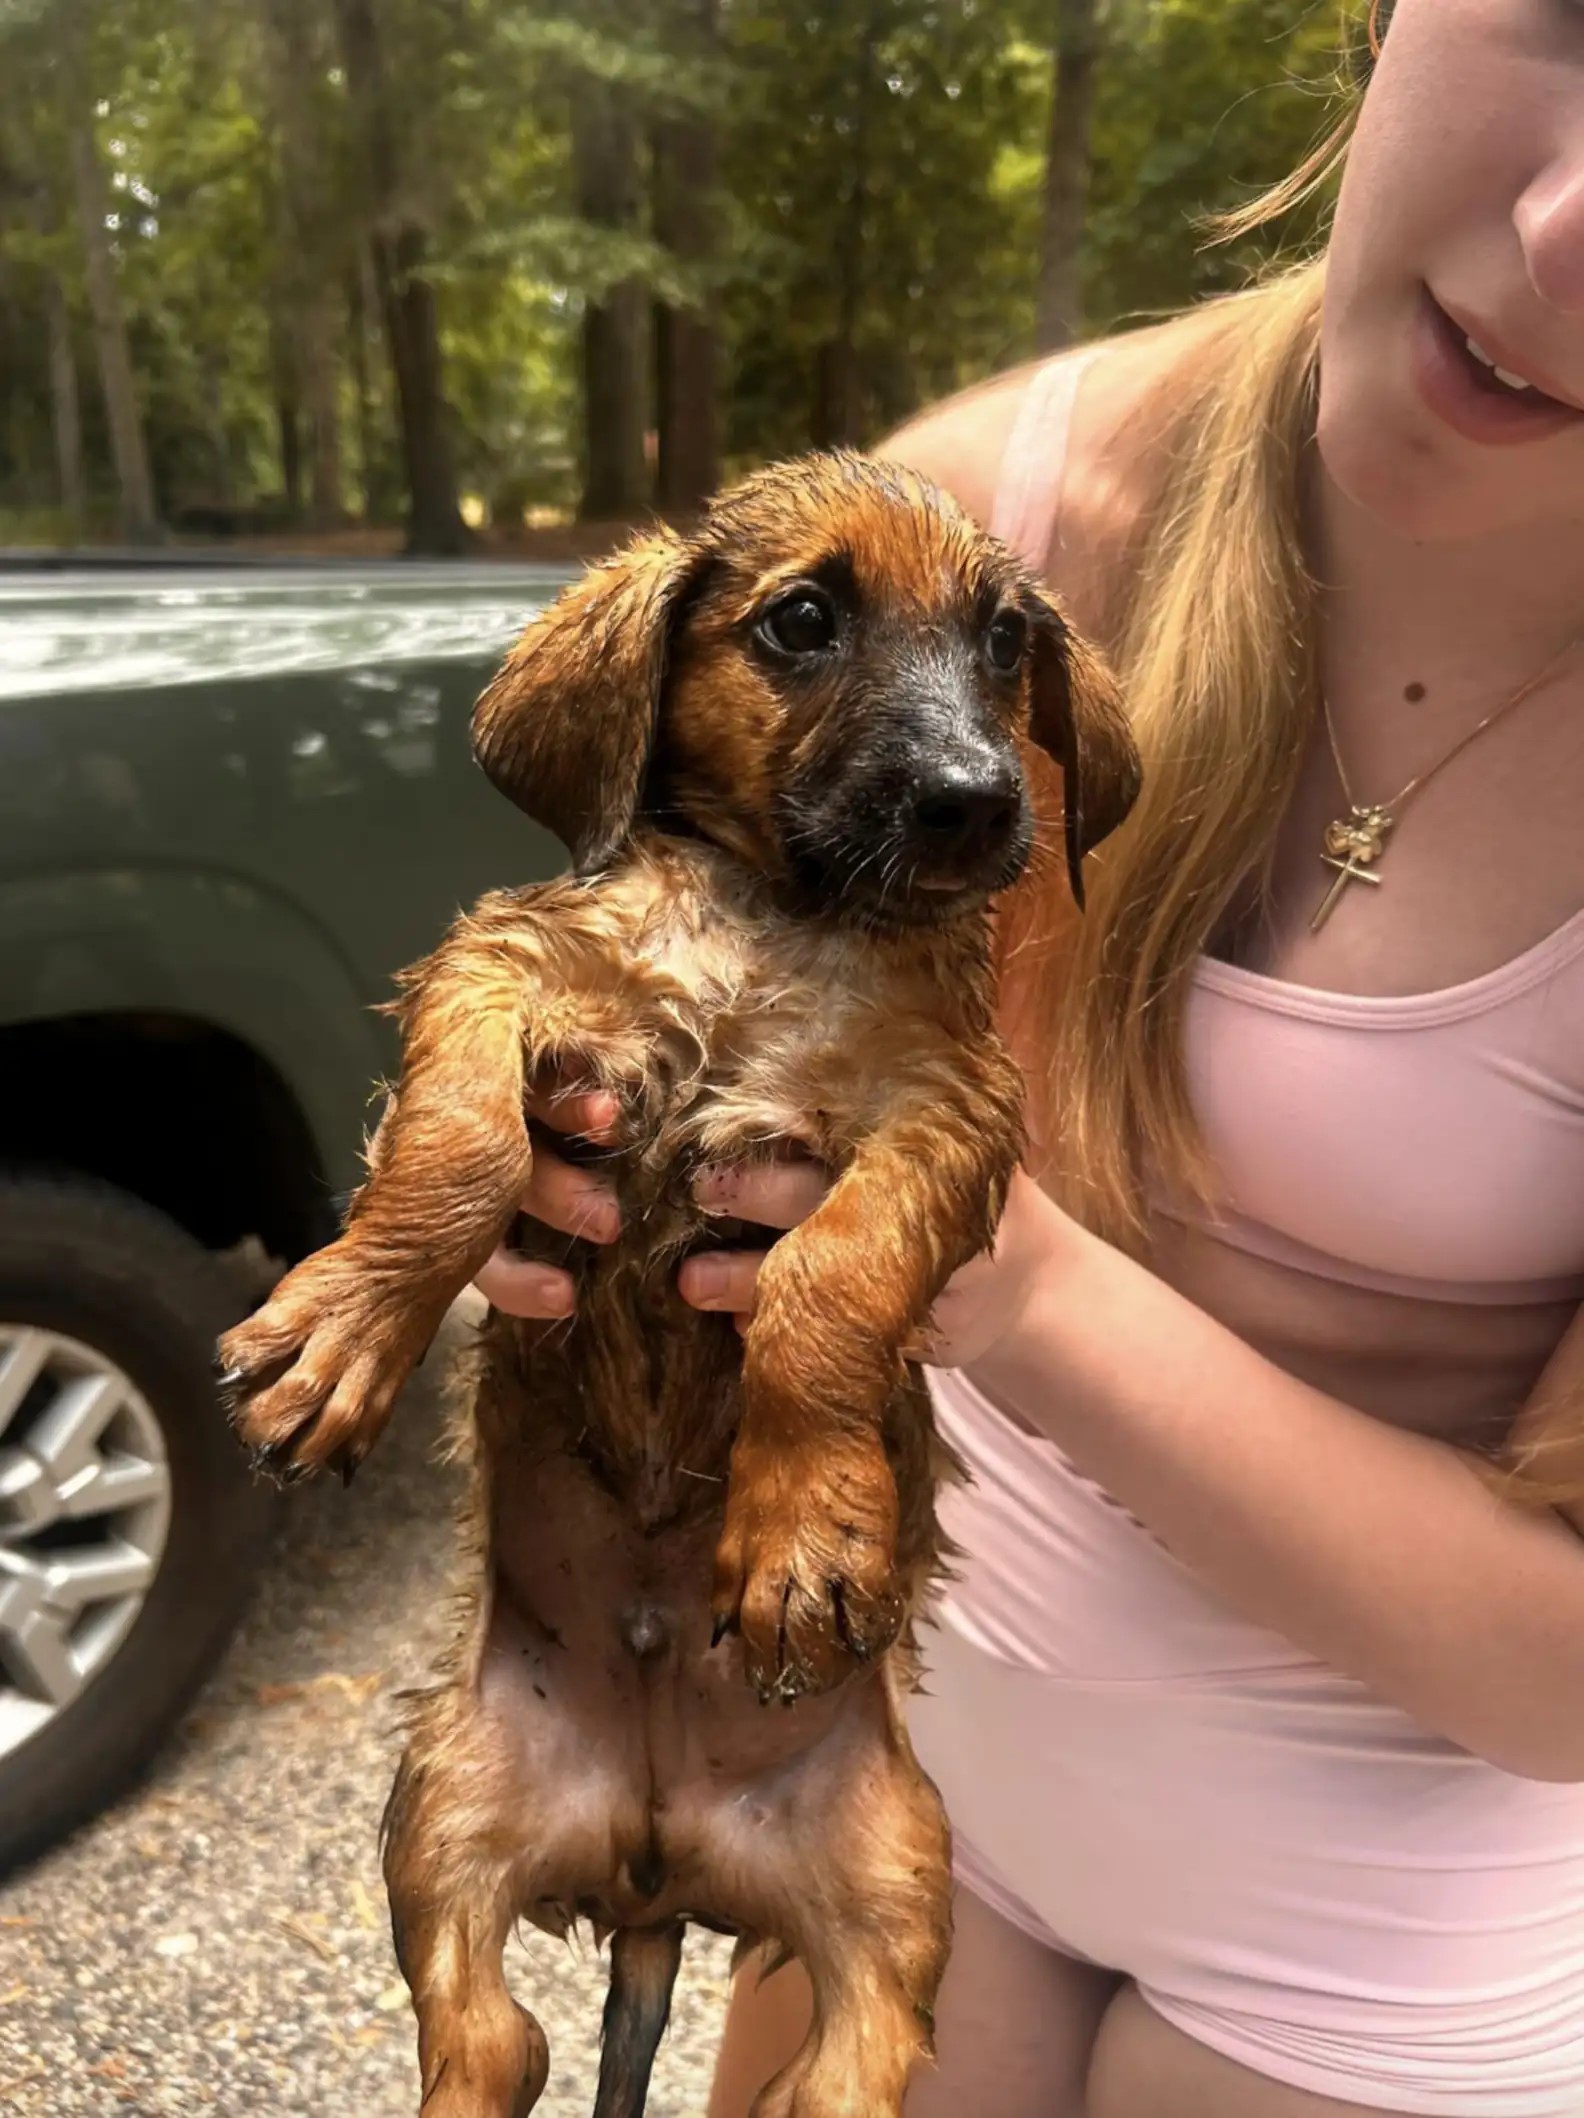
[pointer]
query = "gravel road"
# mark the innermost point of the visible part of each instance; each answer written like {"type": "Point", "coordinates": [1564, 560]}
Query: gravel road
{"type": "Point", "coordinates": [218, 1942]}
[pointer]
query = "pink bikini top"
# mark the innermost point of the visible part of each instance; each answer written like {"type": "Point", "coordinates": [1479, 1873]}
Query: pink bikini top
{"type": "Point", "coordinates": [1430, 1144]}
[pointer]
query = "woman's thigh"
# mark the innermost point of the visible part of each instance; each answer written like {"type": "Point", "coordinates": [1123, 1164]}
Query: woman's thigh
{"type": "Point", "coordinates": [1015, 2027]}
{"type": "Point", "coordinates": [1144, 2067]}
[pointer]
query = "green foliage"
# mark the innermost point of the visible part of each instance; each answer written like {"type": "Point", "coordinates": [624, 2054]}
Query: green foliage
{"type": "Point", "coordinates": [870, 143]}
{"type": "Point", "coordinates": [194, 208]}
{"type": "Point", "coordinates": [1201, 108]}
{"type": "Point", "coordinates": [880, 168]}
{"type": "Point", "coordinates": [625, 53]}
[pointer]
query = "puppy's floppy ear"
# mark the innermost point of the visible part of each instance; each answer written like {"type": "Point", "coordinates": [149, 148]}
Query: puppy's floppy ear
{"type": "Point", "coordinates": [567, 726]}
{"type": "Point", "coordinates": [1076, 713]}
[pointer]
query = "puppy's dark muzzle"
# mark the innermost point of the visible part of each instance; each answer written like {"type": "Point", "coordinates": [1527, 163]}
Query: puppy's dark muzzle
{"type": "Point", "coordinates": [916, 846]}
{"type": "Point", "coordinates": [960, 821]}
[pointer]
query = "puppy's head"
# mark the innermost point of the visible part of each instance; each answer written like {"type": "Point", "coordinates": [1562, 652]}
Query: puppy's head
{"type": "Point", "coordinates": [831, 678]}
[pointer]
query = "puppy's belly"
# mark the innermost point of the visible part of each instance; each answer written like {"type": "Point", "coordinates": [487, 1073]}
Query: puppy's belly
{"type": "Point", "coordinates": [649, 1780]}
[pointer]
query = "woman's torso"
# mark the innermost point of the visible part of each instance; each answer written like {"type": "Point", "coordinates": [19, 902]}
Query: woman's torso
{"type": "Point", "coordinates": [1291, 1869]}
{"type": "Point", "coordinates": [1396, 1102]}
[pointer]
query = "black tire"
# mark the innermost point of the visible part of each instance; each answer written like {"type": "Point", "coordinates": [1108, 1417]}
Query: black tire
{"type": "Point", "coordinates": [84, 1259]}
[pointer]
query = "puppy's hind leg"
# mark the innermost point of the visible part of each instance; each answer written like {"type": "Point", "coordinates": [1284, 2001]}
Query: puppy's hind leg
{"type": "Point", "coordinates": [480, 2055]}
{"type": "Point", "coordinates": [869, 1914]}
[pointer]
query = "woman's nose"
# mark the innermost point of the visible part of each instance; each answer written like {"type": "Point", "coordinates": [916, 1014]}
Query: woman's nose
{"type": "Point", "coordinates": [1550, 222]}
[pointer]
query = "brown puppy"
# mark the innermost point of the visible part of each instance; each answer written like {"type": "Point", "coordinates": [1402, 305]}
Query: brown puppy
{"type": "Point", "coordinates": [786, 753]}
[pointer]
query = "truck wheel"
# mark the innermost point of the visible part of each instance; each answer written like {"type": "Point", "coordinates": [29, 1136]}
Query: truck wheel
{"type": "Point", "coordinates": [130, 1527]}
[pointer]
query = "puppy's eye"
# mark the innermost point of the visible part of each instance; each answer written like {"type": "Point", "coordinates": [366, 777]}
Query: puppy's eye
{"type": "Point", "coordinates": [1006, 640]}
{"type": "Point", "coordinates": [802, 623]}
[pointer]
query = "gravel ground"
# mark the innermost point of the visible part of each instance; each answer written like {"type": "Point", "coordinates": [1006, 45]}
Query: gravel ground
{"type": "Point", "coordinates": [218, 1942]}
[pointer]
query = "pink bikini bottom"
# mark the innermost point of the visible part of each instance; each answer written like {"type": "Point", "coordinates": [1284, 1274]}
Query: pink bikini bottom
{"type": "Point", "coordinates": [1292, 1872]}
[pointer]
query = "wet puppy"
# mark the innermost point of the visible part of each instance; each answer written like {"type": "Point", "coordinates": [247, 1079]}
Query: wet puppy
{"type": "Point", "coordinates": [787, 753]}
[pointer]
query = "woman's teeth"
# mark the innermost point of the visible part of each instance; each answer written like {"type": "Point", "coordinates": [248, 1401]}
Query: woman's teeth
{"type": "Point", "coordinates": [1502, 375]}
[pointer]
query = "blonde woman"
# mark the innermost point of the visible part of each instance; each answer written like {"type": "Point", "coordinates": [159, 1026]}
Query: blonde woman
{"type": "Point", "coordinates": [1260, 1718]}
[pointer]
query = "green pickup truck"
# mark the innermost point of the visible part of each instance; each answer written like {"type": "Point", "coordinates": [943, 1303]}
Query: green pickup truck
{"type": "Point", "coordinates": [233, 801]}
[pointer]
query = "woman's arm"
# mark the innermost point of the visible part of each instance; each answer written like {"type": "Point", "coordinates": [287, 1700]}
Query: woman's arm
{"type": "Point", "coordinates": [1381, 1552]}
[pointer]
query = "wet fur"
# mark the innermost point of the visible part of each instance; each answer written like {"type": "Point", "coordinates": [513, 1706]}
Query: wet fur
{"type": "Point", "coordinates": [678, 1693]}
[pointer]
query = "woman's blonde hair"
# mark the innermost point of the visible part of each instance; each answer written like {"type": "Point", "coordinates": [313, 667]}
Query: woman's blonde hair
{"type": "Point", "coordinates": [1213, 633]}
{"type": "Point", "coordinates": [1214, 646]}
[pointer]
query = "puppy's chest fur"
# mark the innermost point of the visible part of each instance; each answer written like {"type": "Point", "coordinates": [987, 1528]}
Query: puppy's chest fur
{"type": "Point", "coordinates": [724, 1025]}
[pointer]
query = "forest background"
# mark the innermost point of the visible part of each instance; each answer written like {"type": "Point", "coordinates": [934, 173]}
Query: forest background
{"type": "Point", "coordinates": [467, 274]}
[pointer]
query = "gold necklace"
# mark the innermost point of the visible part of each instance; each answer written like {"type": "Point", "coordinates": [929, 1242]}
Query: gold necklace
{"type": "Point", "coordinates": [1354, 843]}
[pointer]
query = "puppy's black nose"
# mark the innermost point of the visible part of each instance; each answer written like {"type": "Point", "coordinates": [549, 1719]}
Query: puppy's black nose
{"type": "Point", "coordinates": [964, 812]}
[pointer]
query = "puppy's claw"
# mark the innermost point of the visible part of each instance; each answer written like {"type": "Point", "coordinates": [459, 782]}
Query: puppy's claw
{"type": "Point", "coordinates": [228, 1377]}
{"type": "Point", "coordinates": [857, 1643]}
{"type": "Point", "coordinates": [843, 1629]}
{"type": "Point", "coordinates": [348, 1461]}
{"type": "Point", "coordinates": [721, 1627]}
{"type": "Point", "coordinates": [273, 1454]}
{"type": "Point", "coordinates": [278, 1459]}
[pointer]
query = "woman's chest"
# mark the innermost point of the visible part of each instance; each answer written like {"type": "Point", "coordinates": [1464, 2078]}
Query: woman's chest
{"type": "Point", "coordinates": [1428, 1144]}
{"type": "Point", "coordinates": [1389, 1078]}
{"type": "Point", "coordinates": [1477, 865]}
{"type": "Point", "coordinates": [1399, 1182]}
{"type": "Point", "coordinates": [1458, 1371]}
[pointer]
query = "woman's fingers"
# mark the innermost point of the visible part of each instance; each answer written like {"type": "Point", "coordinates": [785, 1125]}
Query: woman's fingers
{"type": "Point", "coordinates": [522, 1288]}
{"type": "Point", "coordinates": [592, 1112]}
{"type": "Point", "coordinates": [771, 1194]}
{"type": "Point", "coordinates": [722, 1279]}
{"type": "Point", "coordinates": [776, 1194]}
{"type": "Point", "coordinates": [575, 1201]}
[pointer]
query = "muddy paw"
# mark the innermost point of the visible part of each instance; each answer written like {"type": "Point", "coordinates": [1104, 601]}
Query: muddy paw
{"type": "Point", "coordinates": [310, 1378]}
{"type": "Point", "coordinates": [805, 1569]}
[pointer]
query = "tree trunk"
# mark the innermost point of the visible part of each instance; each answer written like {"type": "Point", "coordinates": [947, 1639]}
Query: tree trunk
{"type": "Point", "coordinates": [615, 396]}
{"type": "Point", "coordinates": [397, 246]}
{"type": "Point", "coordinates": [309, 246]}
{"type": "Point", "coordinates": [687, 341]}
{"type": "Point", "coordinates": [139, 523]}
{"type": "Point", "coordinates": [412, 326]}
{"type": "Point", "coordinates": [65, 407]}
{"type": "Point", "coordinates": [289, 418]}
{"type": "Point", "coordinates": [1059, 309]}
{"type": "Point", "coordinates": [838, 419]}
{"type": "Point", "coordinates": [361, 302]}
{"type": "Point", "coordinates": [219, 439]}
{"type": "Point", "coordinates": [320, 397]}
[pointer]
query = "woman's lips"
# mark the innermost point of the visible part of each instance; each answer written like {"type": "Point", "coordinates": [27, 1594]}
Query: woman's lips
{"type": "Point", "coordinates": [1467, 397]}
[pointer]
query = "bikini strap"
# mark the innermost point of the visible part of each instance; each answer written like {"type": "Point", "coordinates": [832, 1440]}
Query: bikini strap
{"type": "Point", "coordinates": [1034, 462]}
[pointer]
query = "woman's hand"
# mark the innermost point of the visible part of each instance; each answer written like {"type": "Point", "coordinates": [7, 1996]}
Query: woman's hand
{"type": "Point", "coordinates": [776, 1194]}
{"type": "Point", "coordinates": [978, 1306]}
{"type": "Point", "coordinates": [984, 1302]}
{"type": "Point", "coordinates": [578, 1202]}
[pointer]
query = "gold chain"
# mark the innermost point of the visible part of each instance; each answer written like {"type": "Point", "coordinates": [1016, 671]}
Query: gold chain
{"type": "Point", "coordinates": [1525, 690]}
{"type": "Point", "coordinates": [1354, 844]}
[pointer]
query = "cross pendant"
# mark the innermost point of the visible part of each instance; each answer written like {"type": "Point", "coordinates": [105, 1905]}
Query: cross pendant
{"type": "Point", "coordinates": [1348, 870]}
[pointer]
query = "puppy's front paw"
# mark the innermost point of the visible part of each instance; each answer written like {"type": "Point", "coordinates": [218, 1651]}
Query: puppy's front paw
{"type": "Point", "coordinates": [311, 1376]}
{"type": "Point", "coordinates": [805, 1569]}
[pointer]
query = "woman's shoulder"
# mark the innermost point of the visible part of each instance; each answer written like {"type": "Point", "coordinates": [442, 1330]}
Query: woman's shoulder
{"type": "Point", "coordinates": [1111, 447]}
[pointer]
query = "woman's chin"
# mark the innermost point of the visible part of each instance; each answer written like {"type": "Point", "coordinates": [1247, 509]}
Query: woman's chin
{"type": "Point", "coordinates": [1402, 482]}
{"type": "Point", "coordinates": [1397, 469]}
